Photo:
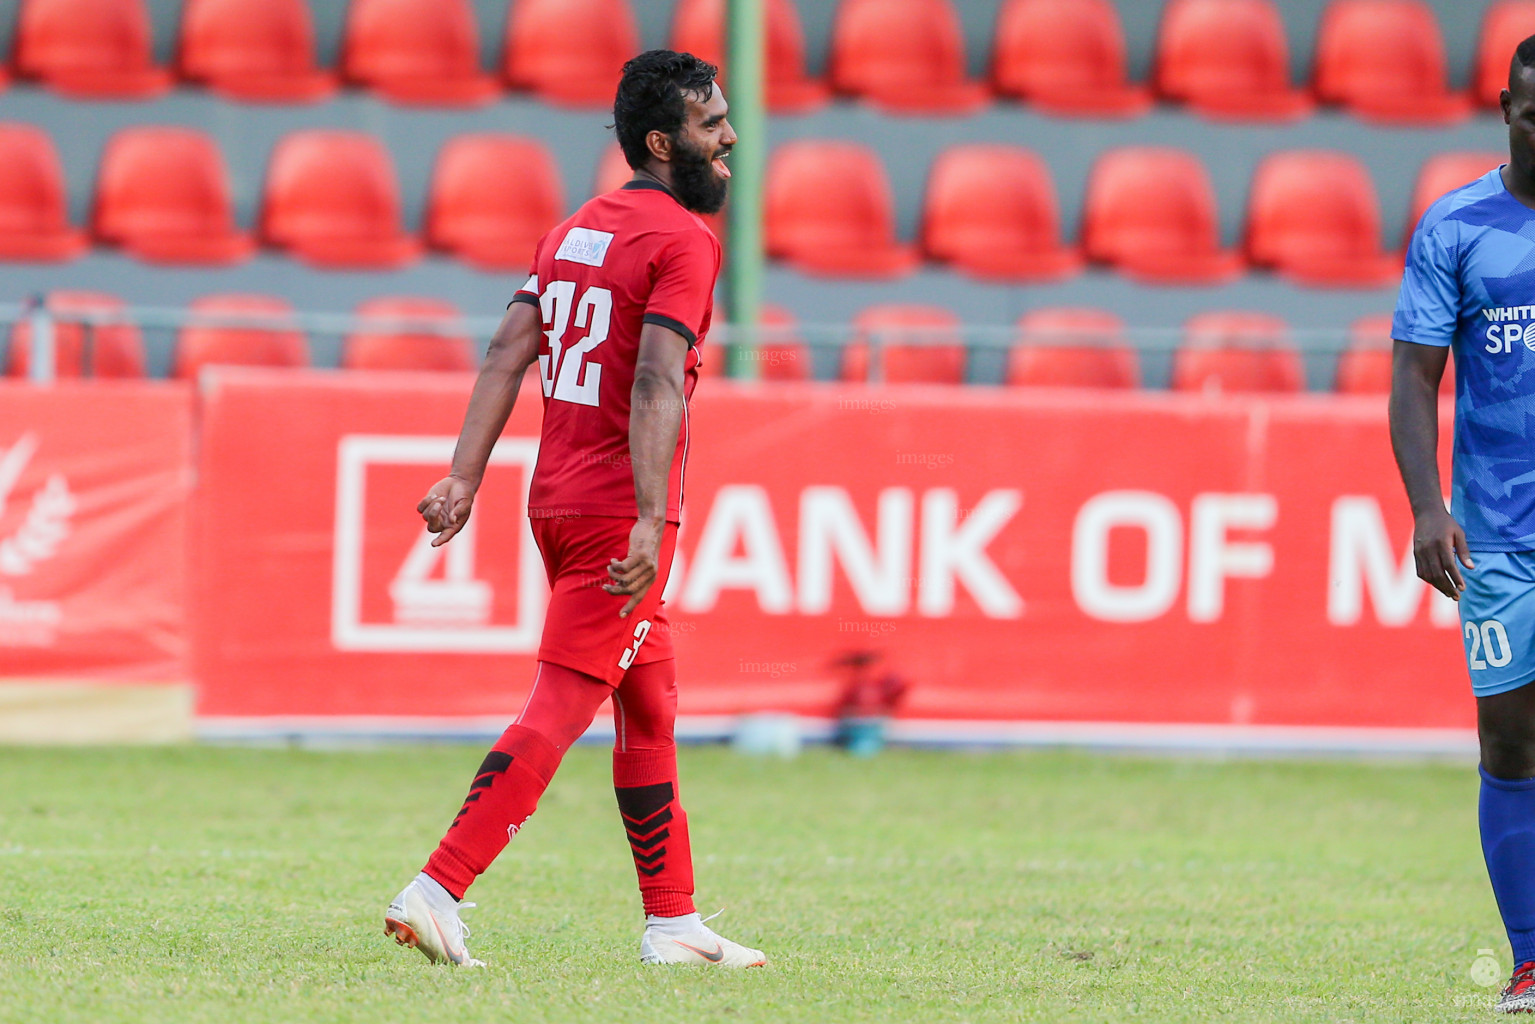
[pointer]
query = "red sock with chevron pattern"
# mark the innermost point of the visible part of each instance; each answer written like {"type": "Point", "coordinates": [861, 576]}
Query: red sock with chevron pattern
{"type": "Point", "coordinates": [515, 774]}
{"type": "Point", "coordinates": [503, 795]}
{"type": "Point", "coordinates": [657, 826]}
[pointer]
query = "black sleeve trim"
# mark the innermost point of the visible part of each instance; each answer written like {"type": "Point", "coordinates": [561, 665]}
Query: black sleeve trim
{"type": "Point", "coordinates": [527, 297]}
{"type": "Point", "coordinates": [673, 325]}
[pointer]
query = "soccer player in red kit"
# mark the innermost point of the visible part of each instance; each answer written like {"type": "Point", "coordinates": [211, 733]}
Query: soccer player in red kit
{"type": "Point", "coordinates": [614, 314]}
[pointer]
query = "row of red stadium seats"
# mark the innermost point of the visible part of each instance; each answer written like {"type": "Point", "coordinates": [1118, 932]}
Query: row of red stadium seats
{"type": "Point", "coordinates": [414, 51]}
{"type": "Point", "coordinates": [1221, 351]}
{"type": "Point", "coordinates": [332, 199]}
{"type": "Point", "coordinates": [1150, 213]}
{"type": "Point", "coordinates": [93, 337]}
{"type": "Point", "coordinates": [1383, 59]}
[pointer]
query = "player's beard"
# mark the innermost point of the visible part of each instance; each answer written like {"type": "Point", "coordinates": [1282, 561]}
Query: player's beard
{"type": "Point", "coordinates": [694, 180]}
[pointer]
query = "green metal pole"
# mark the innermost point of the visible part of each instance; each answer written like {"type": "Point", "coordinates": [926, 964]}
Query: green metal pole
{"type": "Point", "coordinates": [748, 115]}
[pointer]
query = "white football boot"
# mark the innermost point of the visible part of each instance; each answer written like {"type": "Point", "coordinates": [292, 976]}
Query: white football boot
{"type": "Point", "coordinates": [425, 917]}
{"type": "Point", "coordinates": [1519, 995]}
{"type": "Point", "coordinates": [688, 940]}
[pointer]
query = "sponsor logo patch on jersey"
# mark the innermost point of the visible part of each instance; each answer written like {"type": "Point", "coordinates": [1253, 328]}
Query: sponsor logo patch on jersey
{"type": "Point", "coordinates": [1509, 324]}
{"type": "Point", "coordinates": [1503, 314]}
{"type": "Point", "coordinates": [583, 245]}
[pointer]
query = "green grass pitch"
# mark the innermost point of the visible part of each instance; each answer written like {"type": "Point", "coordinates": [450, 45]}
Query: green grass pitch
{"type": "Point", "coordinates": [227, 885]}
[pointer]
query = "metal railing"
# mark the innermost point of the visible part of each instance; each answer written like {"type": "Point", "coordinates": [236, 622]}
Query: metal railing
{"type": "Point", "coordinates": [984, 344]}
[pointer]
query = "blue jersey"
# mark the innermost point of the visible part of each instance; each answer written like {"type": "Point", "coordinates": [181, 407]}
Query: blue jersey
{"type": "Point", "coordinates": [1470, 284]}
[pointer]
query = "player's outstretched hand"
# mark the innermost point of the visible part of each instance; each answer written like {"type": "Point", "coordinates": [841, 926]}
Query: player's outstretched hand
{"type": "Point", "coordinates": [635, 574]}
{"type": "Point", "coordinates": [446, 508]}
{"type": "Point", "coordinates": [1439, 547]}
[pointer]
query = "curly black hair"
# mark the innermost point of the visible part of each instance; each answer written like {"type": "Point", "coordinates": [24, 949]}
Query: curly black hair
{"type": "Point", "coordinates": [651, 98]}
{"type": "Point", "coordinates": [1524, 57]}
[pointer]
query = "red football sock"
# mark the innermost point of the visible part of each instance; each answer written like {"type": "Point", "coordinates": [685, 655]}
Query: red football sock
{"type": "Point", "coordinates": [645, 781]}
{"type": "Point", "coordinates": [515, 773]}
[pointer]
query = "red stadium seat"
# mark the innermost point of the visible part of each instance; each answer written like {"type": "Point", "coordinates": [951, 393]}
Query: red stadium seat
{"type": "Point", "coordinates": [1505, 25]}
{"type": "Point", "coordinates": [398, 334]}
{"type": "Point", "coordinates": [1237, 352]}
{"type": "Point", "coordinates": [698, 27]}
{"type": "Point", "coordinates": [253, 50]}
{"type": "Point", "coordinates": [1065, 57]}
{"type": "Point", "coordinates": [613, 171]}
{"type": "Point", "coordinates": [417, 51]}
{"type": "Point", "coordinates": [1075, 348]}
{"type": "Point", "coordinates": [163, 194]}
{"type": "Point", "coordinates": [1364, 368]}
{"type": "Point", "coordinates": [829, 210]}
{"type": "Point", "coordinates": [915, 344]}
{"type": "Point", "coordinates": [991, 211]}
{"type": "Point", "coordinates": [92, 49]}
{"type": "Point", "coordinates": [81, 348]}
{"type": "Point", "coordinates": [220, 339]}
{"type": "Point", "coordinates": [331, 198]}
{"type": "Point", "coordinates": [907, 56]}
{"type": "Point", "coordinates": [1313, 217]}
{"type": "Point", "coordinates": [1445, 172]}
{"type": "Point", "coordinates": [33, 223]}
{"type": "Point", "coordinates": [493, 197]}
{"type": "Point", "coordinates": [1151, 214]}
{"type": "Point", "coordinates": [1228, 59]}
{"type": "Point", "coordinates": [781, 353]}
{"type": "Point", "coordinates": [570, 51]}
{"type": "Point", "coordinates": [1384, 60]}
{"type": "Point", "coordinates": [1371, 331]}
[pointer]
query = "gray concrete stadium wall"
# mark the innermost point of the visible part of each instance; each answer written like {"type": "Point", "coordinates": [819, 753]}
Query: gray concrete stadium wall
{"type": "Point", "coordinates": [247, 134]}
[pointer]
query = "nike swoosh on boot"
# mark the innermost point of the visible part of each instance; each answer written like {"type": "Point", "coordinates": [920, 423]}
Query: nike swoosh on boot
{"type": "Point", "coordinates": [713, 957]}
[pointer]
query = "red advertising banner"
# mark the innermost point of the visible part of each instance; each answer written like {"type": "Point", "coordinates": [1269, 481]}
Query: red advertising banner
{"type": "Point", "coordinates": [1017, 556]}
{"type": "Point", "coordinates": [95, 480]}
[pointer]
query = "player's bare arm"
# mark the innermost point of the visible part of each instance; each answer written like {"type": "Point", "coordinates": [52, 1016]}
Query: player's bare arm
{"type": "Point", "coordinates": [1438, 542]}
{"type": "Point", "coordinates": [513, 348]}
{"type": "Point", "coordinates": [655, 417]}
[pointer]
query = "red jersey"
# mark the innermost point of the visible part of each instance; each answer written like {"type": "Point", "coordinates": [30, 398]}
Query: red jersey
{"type": "Point", "coordinates": [625, 259]}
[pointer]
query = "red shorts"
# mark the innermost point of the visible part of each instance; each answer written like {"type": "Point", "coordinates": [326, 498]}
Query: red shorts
{"type": "Point", "coordinates": [582, 630]}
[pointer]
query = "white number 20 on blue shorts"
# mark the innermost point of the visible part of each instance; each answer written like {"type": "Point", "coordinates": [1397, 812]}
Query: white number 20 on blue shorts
{"type": "Point", "coordinates": [1497, 620]}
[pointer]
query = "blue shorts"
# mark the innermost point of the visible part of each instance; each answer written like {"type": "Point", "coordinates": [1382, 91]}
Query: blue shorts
{"type": "Point", "coordinates": [1497, 620]}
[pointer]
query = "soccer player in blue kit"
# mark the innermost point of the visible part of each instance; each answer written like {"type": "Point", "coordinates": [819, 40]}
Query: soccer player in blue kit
{"type": "Point", "coordinates": [1470, 286]}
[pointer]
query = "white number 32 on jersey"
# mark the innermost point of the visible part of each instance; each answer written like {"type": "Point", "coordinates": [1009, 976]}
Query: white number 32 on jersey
{"type": "Point", "coordinates": [567, 373]}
